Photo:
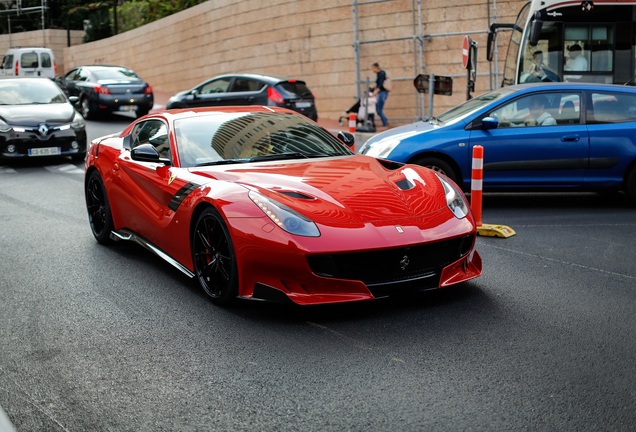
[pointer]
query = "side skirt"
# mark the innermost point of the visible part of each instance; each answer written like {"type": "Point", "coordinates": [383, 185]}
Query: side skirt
{"type": "Point", "coordinates": [131, 236]}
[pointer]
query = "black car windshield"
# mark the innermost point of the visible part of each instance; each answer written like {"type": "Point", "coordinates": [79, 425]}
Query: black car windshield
{"type": "Point", "coordinates": [222, 138]}
{"type": "Point", "coordinates": [118, 74]}
{"type": "Point", "coordinates": [472, 105]}
{"type": "Point", "coordinates": [30, 92]}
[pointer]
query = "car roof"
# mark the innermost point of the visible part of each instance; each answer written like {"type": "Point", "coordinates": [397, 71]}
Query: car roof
{"type": "Point", "coordinates": [269, 79]}
{"type": "Point", "coordinates": [571, 86]}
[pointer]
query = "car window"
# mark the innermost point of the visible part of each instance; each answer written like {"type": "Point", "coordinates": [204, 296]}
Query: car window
{"type": "Point", "coordinates": [539, 109]}
{"type": "Point", "coordinates": [297, 88]}
{"type": "Point", "coordinates": [7, 62]}
{"type": "Point", "coordinates": [45, 59]}
{"type": "Point", "coordinates": [153, 132]}
{"type": "Point", "coordinates": [246, 85]}
{"type": "Point", "coordinates": [610, 107]}
{"type": "Point", "coordinates": [29, 60]}
{"type": "Point", "coordinates": [115, 74]}
{"type": "Point", "coordinates": [217, 86]}
{"type": "Point", "coordinates": [82, 75]}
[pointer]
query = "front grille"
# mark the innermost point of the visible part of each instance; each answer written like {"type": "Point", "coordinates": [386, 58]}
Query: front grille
{"type": "Point", "coordinates": [408, 265]}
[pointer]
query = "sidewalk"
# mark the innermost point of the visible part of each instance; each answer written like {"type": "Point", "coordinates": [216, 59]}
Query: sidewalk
{"type": "Point", "coordinates": [161, 99]}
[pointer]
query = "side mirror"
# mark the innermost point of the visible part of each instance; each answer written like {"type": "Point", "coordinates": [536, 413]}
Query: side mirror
{"type": "Point", "coordinates": [148, 153]}
{"type": "Point", "coordinates": [535, 29]}
{"type": "Point", "coordinates": [489, 123]}
{"type": "Point", "coordinates": [195, 94]}
{"type": "Point", "coordinates": [348, 138]}
{"type": "Point", "coordinates": [73, 99]}
{"type": "Point", "coordinates": [490, 45]}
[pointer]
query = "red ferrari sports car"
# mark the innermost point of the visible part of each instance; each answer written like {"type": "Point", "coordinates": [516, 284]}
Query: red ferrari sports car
{"type": "Point", "coordinates": [262, 203]}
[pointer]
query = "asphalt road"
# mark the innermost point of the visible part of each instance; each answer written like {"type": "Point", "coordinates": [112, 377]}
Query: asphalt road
{"type": "Point", "coordinates": [101, 338]}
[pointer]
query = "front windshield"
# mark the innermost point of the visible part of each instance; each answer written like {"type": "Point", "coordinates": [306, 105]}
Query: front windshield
{"type": "Point", "coordinates": [218, 138]}
{"type": "Point", "coordinates": [28, 92]}
{"type": "Point", "coordinates": [472, 105]}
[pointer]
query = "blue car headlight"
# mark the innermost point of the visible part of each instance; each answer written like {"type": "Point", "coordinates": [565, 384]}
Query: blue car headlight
{"type": "Point", "coordinates": [454, 198]}
{"type": "Point", "coordinates": [286, 218]}
{"type": "Point", "coordinates": [380, 149]}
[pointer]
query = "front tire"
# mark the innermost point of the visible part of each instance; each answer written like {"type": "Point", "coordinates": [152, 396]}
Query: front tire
{"type": "Point", "coordinates": [630, 186]}
{"type": "Point", "coordinates": [99, 216]}
{"type": "Point", "coordinates": [214, 259]}
{"type": "Point", "coordinates": [440, 166]}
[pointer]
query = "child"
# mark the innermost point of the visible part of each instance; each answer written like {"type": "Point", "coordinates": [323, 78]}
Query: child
{"type": "Point", "coordinates": [369, 102]}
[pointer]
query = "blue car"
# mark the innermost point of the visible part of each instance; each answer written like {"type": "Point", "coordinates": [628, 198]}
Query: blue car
{"type": "Point", "coordinates": [536, 137]}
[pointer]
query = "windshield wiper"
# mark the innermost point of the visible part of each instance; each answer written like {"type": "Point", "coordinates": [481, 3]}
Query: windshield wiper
{"type": "Point", "coordinates": [279, 156]}
{"type": "Point", "coordinates": [223, 162]}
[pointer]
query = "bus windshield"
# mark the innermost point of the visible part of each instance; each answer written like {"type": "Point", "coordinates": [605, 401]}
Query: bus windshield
{"type": "Point", "coordinates": [556, 40]}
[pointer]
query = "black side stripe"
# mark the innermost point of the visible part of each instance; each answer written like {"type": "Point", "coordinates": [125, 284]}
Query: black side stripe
{"type": "Point", "coordinates": [181, 194]}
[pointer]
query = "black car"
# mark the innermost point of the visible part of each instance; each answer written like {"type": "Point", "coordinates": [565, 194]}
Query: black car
{"type": "Point", "coordinates": [106, 89]}
{"type": "Point", "coordinates": [249, 89]}
{"type": "Point", "coordinates": [37, 119]}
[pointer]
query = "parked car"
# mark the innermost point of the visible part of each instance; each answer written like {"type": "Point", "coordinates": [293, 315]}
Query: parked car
{"type": "Point", "coordinates": [28, 62]}
{"type": "Point", "coordinates": [105, 89]}
{"type": "Point", "coordinates": [37, 119]}
{"type": "Point", "coordinates": [590, 143]}
{"type": "Point", "coordinates": [262, 203]}
{"type": "Point", "coordinates": [249, 89]}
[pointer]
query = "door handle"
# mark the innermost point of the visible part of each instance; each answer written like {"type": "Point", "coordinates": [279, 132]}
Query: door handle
{"type": "Point", "coordinates": [570, 138]}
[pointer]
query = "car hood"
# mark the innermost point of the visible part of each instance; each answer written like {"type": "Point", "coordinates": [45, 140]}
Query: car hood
{"type": "Point", "coordinates": [33, 115]}
{"type": "Point", "coordinates": [344, 190]}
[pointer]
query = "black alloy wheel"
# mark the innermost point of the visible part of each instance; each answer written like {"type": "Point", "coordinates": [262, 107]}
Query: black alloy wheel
{"type": "Point", "coordinates": [85, 108]}
{"type": "Point", "coordinates": [214, 259]}
{"type": "Point", "coordinates": [99, 215]}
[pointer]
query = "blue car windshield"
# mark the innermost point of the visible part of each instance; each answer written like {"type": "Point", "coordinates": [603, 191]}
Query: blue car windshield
{"type": "Point", "coordinates": [472, 105]}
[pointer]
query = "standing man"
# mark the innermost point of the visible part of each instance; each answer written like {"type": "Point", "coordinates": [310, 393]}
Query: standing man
{"type": "Point", "coordinates": [380, 92]}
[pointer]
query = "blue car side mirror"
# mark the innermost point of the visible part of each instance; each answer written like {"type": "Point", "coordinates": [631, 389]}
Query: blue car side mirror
{"type": "Point", "coordinates": [489, 123]}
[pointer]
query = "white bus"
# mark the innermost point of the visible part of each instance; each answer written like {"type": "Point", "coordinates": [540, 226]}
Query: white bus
{"type": "Point", "coordinates": [560, 40]}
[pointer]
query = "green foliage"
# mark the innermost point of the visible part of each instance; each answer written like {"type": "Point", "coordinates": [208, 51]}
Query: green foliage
{"type": "Point", "coordinates": [96, 17]}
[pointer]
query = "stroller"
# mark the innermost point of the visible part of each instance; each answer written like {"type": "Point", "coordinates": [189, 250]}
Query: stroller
{"type": "Point", "coordinates": [365, 121]}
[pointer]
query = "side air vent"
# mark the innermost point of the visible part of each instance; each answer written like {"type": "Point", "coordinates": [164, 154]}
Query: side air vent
{"type": "Point", "coordinates": [405, 184]}
{"type": "Point", "coordinates": [297, 195]}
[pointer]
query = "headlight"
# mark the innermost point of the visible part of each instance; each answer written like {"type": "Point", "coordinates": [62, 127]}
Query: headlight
{"type": "Point", "coordinates": [4, 127]}
{"type": "Point", "coordinates": [78, 121]}
{"type": "Point", "coordinates": [284, 217]}
{"type": "Point", "coordinates": [454, 198]}
{"type": "Point", "coordinates": [379, 149]}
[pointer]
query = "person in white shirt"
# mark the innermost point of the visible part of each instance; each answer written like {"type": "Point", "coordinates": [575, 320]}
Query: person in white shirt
{"type": "Point", "coordinates": [577, 61]}
{"type": "Point", "coordinates": [540, 117]}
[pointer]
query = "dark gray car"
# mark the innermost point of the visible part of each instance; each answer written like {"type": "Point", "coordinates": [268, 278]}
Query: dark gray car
{"type": "Point", "coordinates": [249, 89]}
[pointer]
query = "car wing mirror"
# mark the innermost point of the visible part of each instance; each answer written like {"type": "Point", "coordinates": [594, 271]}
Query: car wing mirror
{"type": "Point", "coordinates": [348, 138]}
{"type": "Point", "coordinates": [148, 153]}
{"type": "Point", "coordinates": [73, 99]}
{"type": "Point", "coordinates": [195, 94]}
{"type": "Point", "coordinates": [489, 123]}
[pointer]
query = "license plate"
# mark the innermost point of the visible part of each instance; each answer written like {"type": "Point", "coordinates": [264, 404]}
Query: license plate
{"type": "Point", "coordinates": [45, 151]}
{"type": "Point", "coordinates": [29, 73]}
{"type": "Point", "coordinates": [303, 104]}
{"type": "Point", "coordinates": [128, 108]}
